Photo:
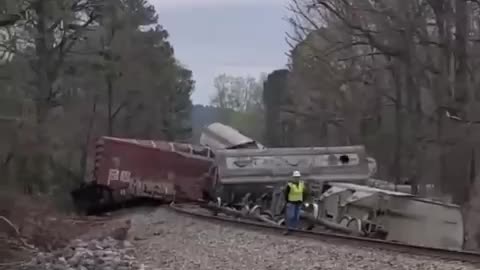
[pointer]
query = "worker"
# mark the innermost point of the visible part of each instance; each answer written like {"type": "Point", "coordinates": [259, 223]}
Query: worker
{"type": "Point", "coordinates": [294, 196]}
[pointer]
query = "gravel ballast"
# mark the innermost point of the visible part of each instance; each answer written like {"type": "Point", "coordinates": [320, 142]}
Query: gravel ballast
{"type": "Point", "coordinates": [165, 240]}
{"type": "Point", "coordinates": [106, 254]}
{"type": "Point", "coordinates": [162, 239]}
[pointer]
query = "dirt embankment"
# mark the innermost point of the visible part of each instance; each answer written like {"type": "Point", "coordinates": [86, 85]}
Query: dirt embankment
{"type": "Point", "coordinates": [31, 225]}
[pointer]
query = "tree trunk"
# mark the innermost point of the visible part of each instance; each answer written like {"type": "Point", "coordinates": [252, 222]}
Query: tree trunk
{"type": "Point", "coordinates": [397, 164]}
{"type": "Point", "coordinates": [461, 93]}
{"type": "Point", "coordinates": [111, 117]}
{"type": "Point", "coordinates": [88, 137]}
{"type": "Point", "coordinates": [39, 155]}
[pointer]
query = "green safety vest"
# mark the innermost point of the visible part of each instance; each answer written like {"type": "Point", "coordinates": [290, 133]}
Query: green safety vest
{"type": "Point", "coordinates": [296, 192]}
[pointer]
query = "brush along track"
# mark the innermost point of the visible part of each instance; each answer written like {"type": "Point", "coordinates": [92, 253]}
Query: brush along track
{"type": "Point", "coordinates": [195, 210]}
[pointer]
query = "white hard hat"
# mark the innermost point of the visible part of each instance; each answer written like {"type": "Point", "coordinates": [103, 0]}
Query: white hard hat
{"type": "Point", "coordinates": [296, 174]}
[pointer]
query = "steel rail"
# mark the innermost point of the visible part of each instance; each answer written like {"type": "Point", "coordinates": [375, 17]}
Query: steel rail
{"type": "Point", "coordinates": [438, 253]}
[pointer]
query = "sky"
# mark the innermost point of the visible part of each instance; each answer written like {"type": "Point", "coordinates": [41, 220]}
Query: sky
{"type": "Point", "coordinates": [236, 37]}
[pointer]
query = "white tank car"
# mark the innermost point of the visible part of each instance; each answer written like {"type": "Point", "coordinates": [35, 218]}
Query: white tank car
{"type": "Point", "coordinates": [220, 136]}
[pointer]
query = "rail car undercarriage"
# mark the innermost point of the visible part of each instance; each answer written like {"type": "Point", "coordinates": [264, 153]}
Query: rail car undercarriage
{"type": "Point", "coordinates": [310, 218]}
{"type": "Point", "coordinates": [360, 211]}
{"type": "Point", "coordinates": [250, 184]}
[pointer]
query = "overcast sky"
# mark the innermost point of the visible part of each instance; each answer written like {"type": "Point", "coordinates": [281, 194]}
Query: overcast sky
{"type": "Point", "coordinates": [238, 37]}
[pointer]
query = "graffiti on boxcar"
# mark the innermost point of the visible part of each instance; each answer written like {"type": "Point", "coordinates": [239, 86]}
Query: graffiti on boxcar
{"type": "Point", "coordinates": [158, 189]}
{"type": "Point", "coordinates": [135, 186]}
{"type": "Point", "coordinates": [125, 176]}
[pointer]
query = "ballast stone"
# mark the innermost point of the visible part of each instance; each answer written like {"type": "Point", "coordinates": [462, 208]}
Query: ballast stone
{"type": "Point", "coordinates": [201, 245]}
{"type": "Point", "coordinates": [107, 254]}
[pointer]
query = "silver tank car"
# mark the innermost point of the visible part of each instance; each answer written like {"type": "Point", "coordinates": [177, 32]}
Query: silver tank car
{"type": "Point", "coordinates": [220, 136]}
{"type": "Point", "coordinates": [259, 175]}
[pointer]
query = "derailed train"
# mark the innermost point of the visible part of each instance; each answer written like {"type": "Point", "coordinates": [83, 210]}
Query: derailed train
{"type": "Point", "coordinates": [250, 181]}
{"type": "Point", "coordinates": [128, 169]}
{"type": "Point", "coordinates": [237, 174]}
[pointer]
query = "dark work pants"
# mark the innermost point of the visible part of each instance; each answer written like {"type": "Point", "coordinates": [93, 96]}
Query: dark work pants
{"type": "Point", "coordinates": [292, 215]}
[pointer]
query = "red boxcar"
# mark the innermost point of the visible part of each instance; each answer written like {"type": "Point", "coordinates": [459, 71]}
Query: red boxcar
{"type": "Point", "coordinates": [127, 168]}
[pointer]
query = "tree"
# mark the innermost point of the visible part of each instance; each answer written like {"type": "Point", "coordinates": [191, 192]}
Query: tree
{"type": "Point", "coordinates": [8, 19]}
{"type": "Point", "coordinates": [10, 13]}
{"type": "Point", "coordinates": [95, 68]}
{"type": "Point", "coordinates": [241, 99]}
{"type": "Point", "coordinates": [47, 37]}
{"type": "Point", "coordinates": [237, 93]}
{"type": "Point", "coordinates": [274, 95]}
{"type": "Point", "coordinates": [120, 26]}
{"type": "Point", "coordinates": [390, 74]}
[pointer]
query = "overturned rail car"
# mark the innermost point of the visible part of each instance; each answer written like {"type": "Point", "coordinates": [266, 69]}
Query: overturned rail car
{"type": "Point", "coordinates": [393, 216]}
{"type": "Point", "coordinates": [259, 175]}
{"type": "Point", "coordinates": [251, 182]}
{"type": "Point", "coordinates": [219, 136]}
{"type": "Point", "coordinates": [127, 169]}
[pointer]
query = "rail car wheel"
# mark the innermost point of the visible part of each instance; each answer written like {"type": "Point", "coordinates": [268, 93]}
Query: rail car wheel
{"type": "Point", "coordinates": [345, 220]}
{"type": "Point", "coordinates": [107, 197]}
{"type": "Point", "coordinates": [355, 224]}
{"type": "Point", "coordinates": [256, 210]}
{"type": "Point", "coordinates": [218, 204]}
{"type": "Point", "coordinates": [268, 213]}
{"type": "Point", "coordinates": [245, 210]}
{"type": "Point", "coordinates": [368, 228]}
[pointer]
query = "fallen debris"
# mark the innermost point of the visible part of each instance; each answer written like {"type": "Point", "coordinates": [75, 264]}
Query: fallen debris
{"type": "Point", "coordinates": [8, 227]}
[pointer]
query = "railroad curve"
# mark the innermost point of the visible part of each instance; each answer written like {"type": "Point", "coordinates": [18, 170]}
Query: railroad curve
{"type": "Point", "coordinates": [197, 211]}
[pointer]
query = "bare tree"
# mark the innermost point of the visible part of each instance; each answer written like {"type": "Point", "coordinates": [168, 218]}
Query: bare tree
{"type": "Point", "coordinates": [410, 63]}
{"type": "Point", "coordinates": [241, 100]}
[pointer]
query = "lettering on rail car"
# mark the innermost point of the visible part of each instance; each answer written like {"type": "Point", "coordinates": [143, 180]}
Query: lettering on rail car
{"type": "Point", "coordinates": [117, 175]}
{"type": "Point", "coordinates": [113, 175]}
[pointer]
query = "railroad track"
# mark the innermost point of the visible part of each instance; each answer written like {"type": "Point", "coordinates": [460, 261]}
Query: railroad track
{"type": "Point", "coordinates": [196, 211]}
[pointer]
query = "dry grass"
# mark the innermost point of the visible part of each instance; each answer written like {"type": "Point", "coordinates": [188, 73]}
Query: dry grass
{"type": "Point", "coordinates": [36, 219]}
{"type": "Point", "coordinates": [32, 224]}
{"type": "Point", "coordinates": [36, 222]}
